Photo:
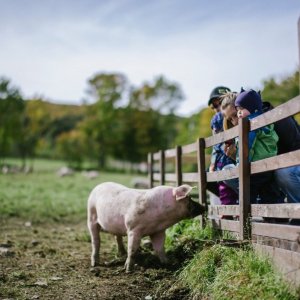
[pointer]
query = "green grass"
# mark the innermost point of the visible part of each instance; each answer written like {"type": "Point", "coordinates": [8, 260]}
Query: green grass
{"type": "Point", "coordinates": [42, 196]}
{"type": "Point", "coordinates": [184, 231]}
{"type": "Point", "coordinates": [228, 273]}
{"type": "Point", "coordinates": [222, 272]}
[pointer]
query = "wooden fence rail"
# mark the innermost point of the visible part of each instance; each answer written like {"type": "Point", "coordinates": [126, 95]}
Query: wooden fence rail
{"type": "Point", "coordinates": [262, 234]}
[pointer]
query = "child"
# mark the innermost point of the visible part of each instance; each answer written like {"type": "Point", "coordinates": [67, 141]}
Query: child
{"type": "Point", "coordinates": [262, 143]}
{"type": "Point", "coordinates": [230, 120]}
{"type": "Point", "coordinates": [226, 194]}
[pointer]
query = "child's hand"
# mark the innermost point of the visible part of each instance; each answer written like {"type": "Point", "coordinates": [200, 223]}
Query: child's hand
{"type": "Point", "coordinates": [230, 150]}
{"type": "Point", "coordinates": [212, 168]}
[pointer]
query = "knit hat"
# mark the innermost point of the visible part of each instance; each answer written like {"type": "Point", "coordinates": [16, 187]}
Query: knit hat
{"type": "Point", "coordinates": [251, 100]}
{"type": "Point", "coordinates": [216, 122]}
{"type": "Point", "coordinates": [217, 92]}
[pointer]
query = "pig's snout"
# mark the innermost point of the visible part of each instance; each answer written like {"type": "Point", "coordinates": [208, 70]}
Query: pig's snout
{"type": "Point", "coordinates": [195, 209]}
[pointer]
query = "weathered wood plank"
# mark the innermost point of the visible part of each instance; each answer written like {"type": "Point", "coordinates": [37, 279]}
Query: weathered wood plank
{"type": "Point", "coordinates": [221, 137]}
{"type": "Point", "coordinates": [170, 153]}
{"type": "Point", "coordinates": [189, 158]}
{"type": "Point", "coordinates": [222, 175]}
{"type": "Point", "coordinates": [156, 176]}
{"type": "Point", "coordinates": [276, 210]}
{"type": "Point", "coordinates": [276, 162]}
{"type": "Point", "coordinates": [288, 232]}
{"type": "Point", "coordinates": [190, 177]}
{"type": "Point", "coordinates": [226, 225]}
{"type": "Point", "coordinates": [278, 113]}
{"type": "Point", "coordinates": [244, 179]}
{"type": "Point", "coordinates": [287, 262]}
{"type": "Point", "coordinates": [171, 177]}
{"type": "Point", "coordinates": [156, 156]}
{"type": "Point", "coordinates": [189, 148]}
{"type": "Point", "coordinates": [278, 243]}
{"type": "Point", "coordinates": [228, 210]}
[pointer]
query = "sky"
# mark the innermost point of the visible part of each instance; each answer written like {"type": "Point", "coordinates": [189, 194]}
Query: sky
{"type": "Point", "coordinates": [51, 48]}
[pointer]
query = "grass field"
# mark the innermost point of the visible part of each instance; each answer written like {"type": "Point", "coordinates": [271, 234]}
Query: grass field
{"type": "Point", "coordinates": [43, 196]}
{"type": "Point", "coordinates": [45, 250]}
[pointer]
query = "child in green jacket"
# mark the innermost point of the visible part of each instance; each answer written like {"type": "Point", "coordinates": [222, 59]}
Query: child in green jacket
{"type": "Point", "coordinates": [262, 144]}
{"type": "Point", "coordinates": [263, 141]}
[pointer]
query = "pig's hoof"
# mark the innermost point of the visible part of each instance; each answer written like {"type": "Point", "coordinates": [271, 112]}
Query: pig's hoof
{"type": "Point", "coordinates": [95, 262]}
{"type": "Point", "coordinates": [165, 262]}
{"type": "Point", "coordinates": [95, 271]}
{"type": "Point", "coordinates": [95, 265]}
{"type": "Point", "coordinates": [122, 254]}
{"type": "Point", "coordinates": [128, 267]}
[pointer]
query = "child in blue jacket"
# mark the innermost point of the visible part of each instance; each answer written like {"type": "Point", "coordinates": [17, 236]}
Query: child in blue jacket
{"type": "Point", "coordinates": [219, 160]}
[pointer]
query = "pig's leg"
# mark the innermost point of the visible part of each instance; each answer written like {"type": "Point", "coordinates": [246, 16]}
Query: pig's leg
{"type": "Point", "coordinates": [94, 229]}
{"type": "Point", "coordinates": [121, 248]}
{"type": "Point", "coordinates": [158, 243]}
{"type": "Point", "coordinates": [134, 240]}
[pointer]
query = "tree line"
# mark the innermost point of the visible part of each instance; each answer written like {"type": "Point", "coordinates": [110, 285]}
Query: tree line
{"type": "Point", "coordinates": [123, 122]}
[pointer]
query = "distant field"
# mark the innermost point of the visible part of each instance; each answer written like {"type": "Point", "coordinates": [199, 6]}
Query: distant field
{"type": "Point", "coordinates": [43, 196]}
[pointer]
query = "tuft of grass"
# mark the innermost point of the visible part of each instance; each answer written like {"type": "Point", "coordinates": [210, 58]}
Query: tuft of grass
{"type": "Point", "coordinates": [185, 230]}
{"type": "Point", "coordinates": [212, 270]}
{"type": "Point", "coordinates": [221, 272]}
{"type": "Point", "coordinates": [83, 237]}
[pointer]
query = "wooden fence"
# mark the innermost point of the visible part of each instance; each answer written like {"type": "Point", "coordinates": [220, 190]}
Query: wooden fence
{"type": "Point", "coordinates": [280, 241]}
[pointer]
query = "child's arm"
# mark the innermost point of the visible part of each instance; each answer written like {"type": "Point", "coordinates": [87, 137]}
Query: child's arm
{"type": "Point", "coordinates": [230, 151]}
{"type": "Point", "coordinates": [213, 160]}
{"type": "Point", "coordinates": [251, 141]}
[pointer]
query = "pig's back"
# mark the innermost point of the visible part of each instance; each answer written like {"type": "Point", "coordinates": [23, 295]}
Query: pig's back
{"type": "Point", "coordinates": [113, 203]}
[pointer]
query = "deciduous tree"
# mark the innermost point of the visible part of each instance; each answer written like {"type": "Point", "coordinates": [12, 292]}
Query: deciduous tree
{"type": "Point", "coordinates": [11, 113]}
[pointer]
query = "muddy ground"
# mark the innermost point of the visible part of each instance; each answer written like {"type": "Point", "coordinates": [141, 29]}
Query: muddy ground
{"type": "Point", "coordinates": [43, 261]}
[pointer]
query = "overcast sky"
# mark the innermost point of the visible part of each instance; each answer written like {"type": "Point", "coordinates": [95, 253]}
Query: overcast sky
{"type": "Point", "coordinates": [51, 47]}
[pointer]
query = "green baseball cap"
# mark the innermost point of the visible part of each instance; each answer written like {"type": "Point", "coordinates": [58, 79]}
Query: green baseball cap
{"type": "Point", "coordinates": [217, 92]}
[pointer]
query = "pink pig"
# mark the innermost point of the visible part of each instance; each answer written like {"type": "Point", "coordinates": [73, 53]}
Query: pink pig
{"type": "Point", "coordinates": [122, 211]}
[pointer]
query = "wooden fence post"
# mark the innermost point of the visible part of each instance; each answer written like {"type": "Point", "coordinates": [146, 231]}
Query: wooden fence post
{"type": "Point", "coordinates": [150, 169]}
{"type": "Point", "coordinates": [178, 170]}
{"type": "Point", "coordinates": [162, 167]}
{"type": "Point", "coordinates": [299, 49]}
{"type": "Point", "coordinates": [201, 177]}
{"type": "Point", "coordinates": [244, 180]}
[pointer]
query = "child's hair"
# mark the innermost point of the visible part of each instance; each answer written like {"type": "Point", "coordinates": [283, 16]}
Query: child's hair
{"type": "Point", "coordinates": [228, 99]}
{"type": "Point", "coordinates": [227, 124]}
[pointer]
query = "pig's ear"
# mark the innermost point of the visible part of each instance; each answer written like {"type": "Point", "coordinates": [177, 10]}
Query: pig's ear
{"type": "Point", "coordinates": [182, 191]}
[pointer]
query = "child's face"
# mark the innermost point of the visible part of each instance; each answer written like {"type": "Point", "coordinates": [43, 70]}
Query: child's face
{"type": "Point", "coordinates": [242, 112]}
{"type": "Point", "coordinates": [229, 113]}
{"type": "Point", "coordinates": [215, 105]}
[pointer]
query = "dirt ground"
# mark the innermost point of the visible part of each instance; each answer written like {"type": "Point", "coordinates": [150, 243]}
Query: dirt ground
{"type": "Point", "coordinates": [43, 261]}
